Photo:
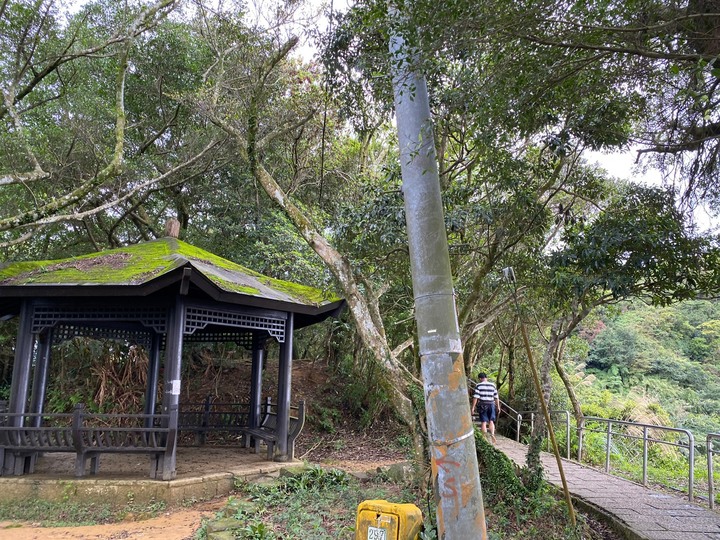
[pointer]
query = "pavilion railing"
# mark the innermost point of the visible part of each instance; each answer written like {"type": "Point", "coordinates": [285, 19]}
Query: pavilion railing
{"type": "Point", "coordinates": [712, 450]}
{"type": "Point", "coordinates": [86, 434]}
{"type": "Point", "coordinates": [211, 416]}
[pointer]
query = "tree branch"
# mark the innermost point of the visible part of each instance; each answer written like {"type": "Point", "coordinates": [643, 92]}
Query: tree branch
{"type": "Point", "coordinates": [144, 18]}
{"type": "Point", "coordinates": [117, 200]}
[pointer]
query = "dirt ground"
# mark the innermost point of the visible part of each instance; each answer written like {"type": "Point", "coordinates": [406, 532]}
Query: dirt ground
{"type": "Point", "coordinates": [178, 524]}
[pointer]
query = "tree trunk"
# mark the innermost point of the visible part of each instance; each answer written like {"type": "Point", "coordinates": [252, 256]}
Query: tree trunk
{"type": "Point", "coordinates": [363, 306]}
{"type": "Point", "coordinates": [396, 384]}
{"type": "Point", "coordinates": [511, 375]}
{"type": "Point", "coordinates": [546, 387]}
{"type": "Point", "coordinates": [568, 384]}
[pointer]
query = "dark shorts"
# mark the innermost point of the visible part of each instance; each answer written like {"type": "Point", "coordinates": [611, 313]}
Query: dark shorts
{"type": "Point", "coordinates": [486, 411]}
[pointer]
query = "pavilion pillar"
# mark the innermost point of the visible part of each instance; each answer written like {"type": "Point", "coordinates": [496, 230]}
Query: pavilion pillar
{"type": "Point", "coordinates": [24, 345]}
{"type": "Point", "coordinates": [258, 358]}
{"type": "Point", "coordinates": [40, 376]}
{"type": "Point", "coordinates": [153, 376]}
{"type": "Point", "coordinates": [171, 388]}
{"type": "Point", "coordinates": [284, 386]}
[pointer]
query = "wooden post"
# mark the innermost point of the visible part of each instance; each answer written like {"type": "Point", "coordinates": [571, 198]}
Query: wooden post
{"type": "Point", "coordinates": [152, 379]}
{"type": "Point", "coordinates": [171, 391]}
{"type": "Point", "coordinates": [39, 386]}
{"type": "Point", "coordinates": [157, 463]}
{"type": "Point", "coordinates": [258, 357]}
{"type": "Point", "coordinates": [205, 422]}
{"type": "Point", "coordinates": [76, 433]}
{"type": "Point", "coordinates": [20, 382]}
{"type": "Point", "coordinates": [284, 386]}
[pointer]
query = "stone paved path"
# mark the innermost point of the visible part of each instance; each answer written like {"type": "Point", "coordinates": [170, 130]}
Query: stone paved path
{"type": "Point", "coordinates": [641, 512]}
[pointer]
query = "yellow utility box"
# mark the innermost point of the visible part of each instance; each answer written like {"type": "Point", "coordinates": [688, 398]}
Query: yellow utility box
{"type": "Point", "coordinates": [382, 520]}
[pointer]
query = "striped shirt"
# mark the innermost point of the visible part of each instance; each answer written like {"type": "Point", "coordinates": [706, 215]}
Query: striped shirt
{"type": "Point", "coordinates": [485, 391]}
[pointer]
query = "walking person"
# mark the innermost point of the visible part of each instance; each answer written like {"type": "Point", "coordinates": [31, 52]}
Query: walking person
{"type": "Point", "coordinates": [486, 395]}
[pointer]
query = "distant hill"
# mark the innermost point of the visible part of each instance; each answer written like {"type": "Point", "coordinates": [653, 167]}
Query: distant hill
{"type": "Point", "coordinates": [641, 363]}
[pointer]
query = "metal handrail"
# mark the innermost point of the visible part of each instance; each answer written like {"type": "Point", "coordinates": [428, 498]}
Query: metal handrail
{"type": "Point", "coordinates": [567, 425]}
{"type": "Point", "coordinates": [504, 407]}
{"type": "Point", "coordinates": [711, 479]}
{"type": "Point", "coordinates": [520, 417]}
{"type": "Point", "coordinates": [645, 438]}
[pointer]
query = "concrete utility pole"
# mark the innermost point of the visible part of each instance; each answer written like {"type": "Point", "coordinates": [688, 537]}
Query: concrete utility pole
{"type": "Point", "coordinates": [460, 512]}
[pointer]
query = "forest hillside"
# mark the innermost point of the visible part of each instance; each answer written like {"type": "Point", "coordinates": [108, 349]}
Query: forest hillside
{"type": "Point", "coordinates": [651, 364]}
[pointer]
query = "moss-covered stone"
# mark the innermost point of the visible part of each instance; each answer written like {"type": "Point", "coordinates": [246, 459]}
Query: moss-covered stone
{"type": "Point", "coordinates": [141, 263]}
{"type": "Point", "coordinates": [399, 472]}
{"type": "Point", "coordinates": [222, 535]}
{"type": "Point", "coordinates": [237, 507]}
{"type": "Point", "coordinates": [293, 471]}
{"type": "Point", "coordinates": [224, 524]}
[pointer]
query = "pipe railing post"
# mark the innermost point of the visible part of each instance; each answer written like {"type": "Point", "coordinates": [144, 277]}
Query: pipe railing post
{"type": "Point", "coordinates": [567, 434]}
{"type": "Point", "coordinates": [645, 456]}
{"type": "Point", "coordinates": [607, 447]}
{"type": "Point", "coordinates": [691, 465]}
{"type": "Point", "coordinates": [581, 436]}
{"type": "Point", "coordinates": [711, 478]}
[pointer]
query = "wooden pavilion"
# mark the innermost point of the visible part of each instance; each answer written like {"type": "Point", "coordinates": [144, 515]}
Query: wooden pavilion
{"type": "Point", "coordinates": [158, 294]}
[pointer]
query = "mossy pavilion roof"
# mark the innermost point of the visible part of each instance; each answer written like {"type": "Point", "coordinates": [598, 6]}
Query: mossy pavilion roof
{"type": "Point", "coordinates": [153, 268]}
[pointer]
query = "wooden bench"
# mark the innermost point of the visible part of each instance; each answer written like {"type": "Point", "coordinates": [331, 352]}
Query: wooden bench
{"type": "Point", "coordinates": [210, 416]}
{"type": "Point", "coordinates": [86, 441]}
{"type": "Point", "coordinates": [267, 431]}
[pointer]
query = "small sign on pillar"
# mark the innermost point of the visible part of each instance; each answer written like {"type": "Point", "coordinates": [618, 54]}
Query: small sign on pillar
{"type": "Point", "coordinates": [382, 520]}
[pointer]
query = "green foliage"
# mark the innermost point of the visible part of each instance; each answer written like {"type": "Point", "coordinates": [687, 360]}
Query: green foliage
{"type": "Point", "coordinates": [326, 418]}
{"type": "Point", "coordinates": [320, 504]}
{"type": "Point", "coordinates": [357, 388]}
{"type": "Point", "coordinates": [659, 364]}
{"type": "Point", "coordinates": [576, 55]}
{"type": "Point", "coordinates": [56, 514]}
{"type": "Point", "coordinates": [499, 480]}
{"type": "Point", "coordinates": [313, 479]}
{"type": "Point", "coordinates": [520, 506]}
{"type": "Point", "coordinates": [315, 504]}
{"type": "Point", "coordinates": [254, 531]}
{"type": "Point", "coordinates": [404, 442]}
{"type": "Point", "coordinates": [638, 246]}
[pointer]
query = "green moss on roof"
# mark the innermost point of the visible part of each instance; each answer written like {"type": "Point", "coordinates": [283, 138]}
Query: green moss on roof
{"type": "Point", "coordinates": [138, 264]}
{"type": "Point", "coordinates": [230, 286]}
{"type": "Point", "coordinates": [315, 296]}
{"type": "Point", "coordinates": [123, 266]}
